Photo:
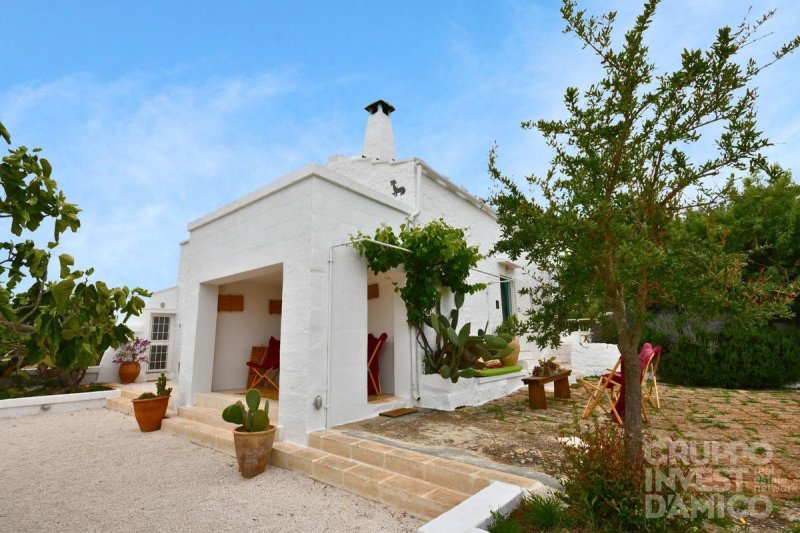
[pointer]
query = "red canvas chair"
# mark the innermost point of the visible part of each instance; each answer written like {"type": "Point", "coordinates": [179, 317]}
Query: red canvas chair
{"type": "Point", "coordinates": [611, 386]}
{"type": "Point", "coordinates": [269, 366]}
{"type": "Point", "coordinates": [374, 349]}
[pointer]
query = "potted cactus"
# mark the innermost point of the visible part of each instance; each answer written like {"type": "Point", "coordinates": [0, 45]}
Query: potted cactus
{"type": "Point", "coordinates": [150, 409]}
{"type": "Point", "coordinates": [254, 436]}
{"type": "Point", "coordinates": [509, 330]}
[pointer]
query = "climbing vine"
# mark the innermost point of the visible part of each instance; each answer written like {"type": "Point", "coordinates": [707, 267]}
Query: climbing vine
{"type": "Point", "coordinates": [438, 256]}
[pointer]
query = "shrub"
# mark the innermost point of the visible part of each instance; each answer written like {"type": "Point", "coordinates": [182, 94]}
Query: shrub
{"type": "Point", "coordinates": [534, 513]}
{"type": "Point", "coordinates": [602, 490]}
{"type": "Point", "coordinates": [511, 326]}
{"type": "Point", "coordinates": [545, 513]}
{"type": "Point", "coordinates": [504, 524]}
{"type": "Point", "coordinates": [605, 330]}
{"type": "Point", "coordinates": [712, 354]}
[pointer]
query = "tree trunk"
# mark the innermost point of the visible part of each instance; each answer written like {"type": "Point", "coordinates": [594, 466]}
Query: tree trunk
{"type": "Point", "coordinates": [633, 402]}
{"type": "Point", "coordinates": [628, 347]}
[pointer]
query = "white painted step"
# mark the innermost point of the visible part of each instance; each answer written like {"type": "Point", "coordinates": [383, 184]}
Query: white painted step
{"type": "Point", "coordinates": [199, 433]}
{"type": "Point", "coordinates": [206, 415]}
{"type": "Point", "coordinates": [220, 402]}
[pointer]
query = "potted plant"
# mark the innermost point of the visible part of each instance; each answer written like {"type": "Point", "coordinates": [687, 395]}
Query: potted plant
{"type": "Point", "coordinates": [509, 329]}
{"type": "Point", "coordinates": [547, 367]}
{"type": "Point", "coordinates": [130, 357]}
{"type": "Point", "coordinates": [254, 436]}
{"type": "Point", "coordinates": [150, 409]}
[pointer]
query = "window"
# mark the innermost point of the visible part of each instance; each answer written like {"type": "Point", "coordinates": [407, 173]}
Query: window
{"type": "Point", "coordinates": [159, 343]}
{"type": "Point", "coordinates": [505, 298]}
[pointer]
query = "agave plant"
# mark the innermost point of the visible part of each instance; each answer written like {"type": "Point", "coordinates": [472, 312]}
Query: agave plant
{"type": "Point", "coordinates": [251, 417]}
{"type": "Point", "coordinates": [456, 352]}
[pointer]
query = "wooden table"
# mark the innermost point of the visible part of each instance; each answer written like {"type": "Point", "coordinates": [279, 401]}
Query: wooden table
{"type": "Point", "coordinates": [536, 398]}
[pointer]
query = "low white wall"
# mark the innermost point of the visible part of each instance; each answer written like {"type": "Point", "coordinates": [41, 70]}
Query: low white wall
{"type": "Point", "coordinates": [443, 394]}
{"type": "Point", "coordinates": [592, 359]}
{"type": "Point", "coordinates": [56, 403]}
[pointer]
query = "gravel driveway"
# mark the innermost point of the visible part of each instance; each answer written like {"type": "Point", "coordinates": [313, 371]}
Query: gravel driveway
{"type": "Point", "coordinates": [94, 471]}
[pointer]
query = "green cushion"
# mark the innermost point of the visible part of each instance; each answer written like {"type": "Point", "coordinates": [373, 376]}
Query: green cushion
{"type": "Point", "coordinates": [497, 371]}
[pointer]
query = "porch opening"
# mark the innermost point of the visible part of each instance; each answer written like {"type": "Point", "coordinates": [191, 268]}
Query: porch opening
{"type": "Point", "coordinates": [380, 358]}
{"type": "Point", "coordinates": [248, 334]}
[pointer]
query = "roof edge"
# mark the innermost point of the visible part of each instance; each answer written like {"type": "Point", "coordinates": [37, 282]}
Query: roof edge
{"type": "Point", "coordinates": [306, 172]}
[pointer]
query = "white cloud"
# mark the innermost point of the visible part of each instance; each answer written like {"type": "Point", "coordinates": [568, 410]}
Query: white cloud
{"type": "Point", "coordinates": [142, 160]}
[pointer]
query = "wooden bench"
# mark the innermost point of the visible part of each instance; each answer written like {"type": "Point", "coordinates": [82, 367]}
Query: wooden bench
{"type": "Point", "coordinates": [536, 398]}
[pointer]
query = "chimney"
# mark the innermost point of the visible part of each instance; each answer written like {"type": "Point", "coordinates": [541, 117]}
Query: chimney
{"type": "Point", "coordinates": [379, 139]}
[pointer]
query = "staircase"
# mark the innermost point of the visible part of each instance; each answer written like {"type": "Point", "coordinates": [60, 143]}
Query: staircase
{"type": "Point", "coordinates": [421, 484]}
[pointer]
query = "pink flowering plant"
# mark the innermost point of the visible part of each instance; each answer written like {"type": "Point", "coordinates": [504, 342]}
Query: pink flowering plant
{"type": "Point", "coordinates": [133, 352]}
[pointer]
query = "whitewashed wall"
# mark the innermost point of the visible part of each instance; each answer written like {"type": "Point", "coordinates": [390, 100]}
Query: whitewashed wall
{"type": "Point", "coordinates": [164, 302]}
{"type": "Point", "coordinates": [377, 175]}
{"type": "Point", "coordinates": [338, 214]}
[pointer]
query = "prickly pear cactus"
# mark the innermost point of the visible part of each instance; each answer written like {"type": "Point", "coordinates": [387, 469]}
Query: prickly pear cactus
{"type": "Point", "coordinates": [456, 352]}
{"type": "Point", "coordinates": [251, 417]}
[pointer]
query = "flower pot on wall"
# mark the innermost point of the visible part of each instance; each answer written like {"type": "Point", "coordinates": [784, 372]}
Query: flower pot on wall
{"type": "Point", "coordinates": [512, 358]}
{"type": "Point", "coordinates": [150, 412]}
{"type": "Point", "coordinates": [253, 450]}
{"type": "Point", "coordinates": [129, 371]}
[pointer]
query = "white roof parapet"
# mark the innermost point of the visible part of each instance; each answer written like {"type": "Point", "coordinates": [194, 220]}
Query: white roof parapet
{"type": "Point", "coordinates": [309, 171]}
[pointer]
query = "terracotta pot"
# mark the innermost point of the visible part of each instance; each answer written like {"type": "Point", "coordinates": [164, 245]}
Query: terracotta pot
{"type": "Point", "coordinates": [150, 412]}
{"type": "Point", "coordinates": [253, 450]}
{"type": "Point", "coordinates": [512, 358]}
{"type": "Point", "coordinates": [129, 371]}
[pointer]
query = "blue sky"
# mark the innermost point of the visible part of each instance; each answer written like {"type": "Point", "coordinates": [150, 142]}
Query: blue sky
{"type": "Point", "coordinates": [153, 113]}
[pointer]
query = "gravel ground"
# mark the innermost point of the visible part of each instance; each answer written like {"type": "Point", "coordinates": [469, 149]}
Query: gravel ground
{"type": "Point", "coordinates": [94, 471]}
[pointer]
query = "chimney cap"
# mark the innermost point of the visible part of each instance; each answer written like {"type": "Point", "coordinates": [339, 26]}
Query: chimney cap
{"type": "Point", "coordinates": [383, 105]}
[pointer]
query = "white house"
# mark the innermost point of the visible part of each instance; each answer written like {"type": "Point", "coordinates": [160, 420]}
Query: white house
{"type": "Point", "coordinates": [282, 252]}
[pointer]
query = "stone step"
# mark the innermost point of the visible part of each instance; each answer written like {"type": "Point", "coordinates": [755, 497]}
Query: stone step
{"type": "Point", "coordinates": [212, 401]}
{"type": "Point", "coordinates": [199, 433]}
{"type": "Point", "coordinates": [420, 498]}
{"type": "Point", "coordinates": [122, 405]}
{"type": "Point", "coordinates": [206, 415]}
{"type": "Point", "coordinates": [125, 406]}
{"type": "Point", "coordinates": [127, 393]}
{"type": "Point", "coordinates": [446, 473]}
{"type": "Point", "coordinates": [219, 402]}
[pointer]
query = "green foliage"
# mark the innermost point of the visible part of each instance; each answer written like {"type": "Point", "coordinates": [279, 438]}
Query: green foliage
{"type": "Point", "coordinates": [60, 324]}
{"type": "Point", "coordinates": [762, 220]}
{"type": "Point", "coordinates": [148, 396]}
{"type": "Point", "coordinates": [602, 490]}
{"type": "Point", "coordinates": [727, 356]}
{"type": "Point", "coordinates": [251, 417]}
{"type": "Point", "coordinates": [438, 256]}
{"type": "Point", "coordinates": [510, 326]}
{"type": "Point", "coordinates": [161, 386]}
{"type": "Point", "coordinates": [545, 513]}
{"type": "Point", "coordinates": [604, 330]}
{"type": "Point", "coordinates": [602, 223]}
{"type": "Point", "coordinates": [456, 352]}
{"type": "Point", "coordinates": [26, 388]}
{"type": "Point", "coordinates": [504, 524]}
